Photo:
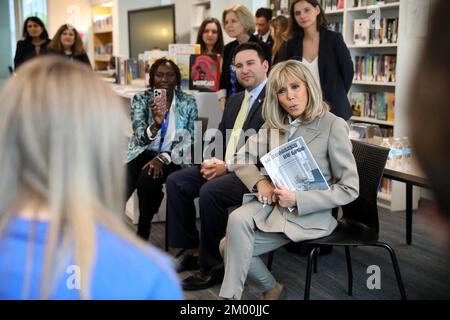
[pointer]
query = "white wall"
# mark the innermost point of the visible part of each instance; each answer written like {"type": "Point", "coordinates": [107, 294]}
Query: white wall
{"type": "Point", "coordinates": [75, 12]}
{"type": "Point", "coordinates": [120, 22]}
{"type": "Point", "coordinates": [414, 21]}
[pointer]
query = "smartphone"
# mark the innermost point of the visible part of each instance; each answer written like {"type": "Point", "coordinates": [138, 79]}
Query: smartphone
{"type": "Point", "coordinates": [160, 97]}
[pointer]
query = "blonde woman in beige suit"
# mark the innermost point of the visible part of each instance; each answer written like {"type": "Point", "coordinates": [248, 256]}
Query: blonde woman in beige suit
{"type": "Point", "coordinates": [293, 108]}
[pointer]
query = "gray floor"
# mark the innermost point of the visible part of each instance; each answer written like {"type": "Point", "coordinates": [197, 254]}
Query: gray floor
{"type": "Point", "coordinates": [424, 266]}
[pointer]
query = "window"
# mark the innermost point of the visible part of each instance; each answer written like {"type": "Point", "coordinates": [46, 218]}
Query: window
{"type": "Point", "coordinates": [35, 8]}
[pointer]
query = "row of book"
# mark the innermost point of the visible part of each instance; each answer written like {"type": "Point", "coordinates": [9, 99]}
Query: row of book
{"type": "Point", "coordinates": [332, 5]}
{"type": "Point", "coordinates": [378, 105]}
{"type": "Point", "coordinates": [335, 26]}
{"type": "Point", "coordinates": [103, 23]}
{"type": "Point", "coordinates": [385, 186]}
{"type": "Point", "coordinates": [375, 31]}
{"type": "Point", "coordinates": [198, 72]}
{"type": "Point", "coordinates": [127, 70]}
{"type": "Point", "coordinates": [364, 3]}
{"type": "Point", "coordinates": [102, 49]}
{"type": "Point", "coordinates": [376, 67]}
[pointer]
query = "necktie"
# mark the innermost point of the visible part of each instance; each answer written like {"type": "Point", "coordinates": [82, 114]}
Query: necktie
{"type": "Point", "coordinates": [237, 128]}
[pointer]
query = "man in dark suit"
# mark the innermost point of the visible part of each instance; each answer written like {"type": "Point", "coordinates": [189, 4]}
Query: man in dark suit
{"type": "Point", "coordinates": [215, 183]}
{"type": "Point", "coordinates": [263, 17]}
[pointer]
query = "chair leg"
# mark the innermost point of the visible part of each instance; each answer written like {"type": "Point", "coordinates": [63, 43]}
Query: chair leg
{"type": "Point", "coordinates": [311, 255]}
{"type": "Point", "coordinates": [349, 270]}
{"type": "Point", "coordinates": [315, 263]}
{"type": "Point", "coordinates": [270, 260]}
{"type": "Point", "coordinates": [396, 268]}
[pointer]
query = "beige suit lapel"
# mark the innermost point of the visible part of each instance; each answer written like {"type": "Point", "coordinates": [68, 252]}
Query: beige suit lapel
{"type": "Point", "coordinates": [309, 131]}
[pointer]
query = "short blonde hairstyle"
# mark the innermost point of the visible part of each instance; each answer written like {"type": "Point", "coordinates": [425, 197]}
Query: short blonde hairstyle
{"type": "Point", "coordinates": [274, 115]}
{"type": "Point", "coordinates": [244, 16]}
{"type": "Point", "coordinates": [62, 145]}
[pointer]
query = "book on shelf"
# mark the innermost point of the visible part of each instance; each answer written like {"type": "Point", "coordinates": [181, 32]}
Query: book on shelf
{"type": "Point", "coordinates": [335, 26]}
{"type": "Point", "coordinates": [390, 102]}
{"type": "Point", "coordinates": [378, 105]}
{"type": "Point", "coordinates": [357, 101]}
{"type": "Point", "coordinates": [204, 72]}
{"type": "Point", "coordinates": [375, 67]}
{"type": "Point", "coordinates": [127, 70]}
{"type": "Point", "coordinates": [181, 54]}
{"type": "Point", "coordinates": [364, 3]}
{"type": "Point", "coordinates": [361, 32]}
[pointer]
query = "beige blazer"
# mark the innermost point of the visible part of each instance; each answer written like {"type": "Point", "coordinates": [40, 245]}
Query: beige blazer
{"type": "Point", "coordinates": [327, 138]}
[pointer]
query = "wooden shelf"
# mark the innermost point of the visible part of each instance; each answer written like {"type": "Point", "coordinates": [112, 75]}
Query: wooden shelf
{"type": "Point", "coordinates": [101, 31]}
{"type": "Point", "coordinates": [102, 58]}
{"type": "Point", "coordinates": [373, 120]}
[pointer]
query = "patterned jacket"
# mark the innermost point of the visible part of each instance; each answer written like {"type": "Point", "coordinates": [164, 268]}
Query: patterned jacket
{"type": "Point", "coordinates": [141, 117]}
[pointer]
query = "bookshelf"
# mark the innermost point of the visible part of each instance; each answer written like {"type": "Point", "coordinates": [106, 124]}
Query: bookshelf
{"type": "Point", "coordinates": [201, 9]}
{"type": "Point", "coordinates": [341, 15]}
{"type": "Point", "coordinates": [102, 29]}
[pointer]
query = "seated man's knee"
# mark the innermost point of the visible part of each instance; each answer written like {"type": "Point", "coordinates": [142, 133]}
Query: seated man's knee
{"type": "Point", "coordinates": [208, 191]}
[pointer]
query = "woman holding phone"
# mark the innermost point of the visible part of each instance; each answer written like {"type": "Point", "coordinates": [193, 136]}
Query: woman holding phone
{"type": "Point", "coordinates": [163, 119]}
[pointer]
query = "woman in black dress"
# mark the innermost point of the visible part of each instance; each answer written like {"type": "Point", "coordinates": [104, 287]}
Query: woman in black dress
{"type": "Point", "coordinates": [34, 42]}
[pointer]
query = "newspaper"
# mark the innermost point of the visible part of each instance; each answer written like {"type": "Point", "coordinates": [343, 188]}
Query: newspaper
{"type": "Point", "coordinates": [292, 166]}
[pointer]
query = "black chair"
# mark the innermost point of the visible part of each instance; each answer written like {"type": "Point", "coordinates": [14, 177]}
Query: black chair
{"type": "Point", "coordinates": [359, 225]}
{"type": "Point", "coordinates": [199, 141]}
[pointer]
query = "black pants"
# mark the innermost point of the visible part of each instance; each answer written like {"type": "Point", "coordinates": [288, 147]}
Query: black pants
{"type": "Point", "coordinates": [149, 190]}
{"type": "Point", "coordinates": [215, 197]}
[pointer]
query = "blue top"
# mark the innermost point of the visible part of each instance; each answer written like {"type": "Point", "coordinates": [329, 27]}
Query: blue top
{"type": "Point", "coordinates": [121, 271]}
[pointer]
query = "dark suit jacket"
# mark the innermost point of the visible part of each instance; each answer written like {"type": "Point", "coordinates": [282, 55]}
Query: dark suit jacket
{"type": "Point", "coordinates": [254, 118]}
{"type": "Point", "coordinates": [335, 68]}
{"type": "Point", "coordinates": [269, 41]}
{"type": "Point", "coordinates": [26, 50]}
{"type": "Point", "coordinates": [228, 52]}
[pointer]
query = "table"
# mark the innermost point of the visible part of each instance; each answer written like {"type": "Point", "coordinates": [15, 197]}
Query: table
{"type": "Point", "coordinates": [410, 177]}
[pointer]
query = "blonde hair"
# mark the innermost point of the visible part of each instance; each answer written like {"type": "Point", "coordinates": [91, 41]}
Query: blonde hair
{"type": "Point", "coordinates": [61, 146]}
{"type": "Point", "coordinates": [274, 115]}
{"type": "Point", "coordinates": [244, 16]}
{"type": "Point", "coordinates": [280, 27]}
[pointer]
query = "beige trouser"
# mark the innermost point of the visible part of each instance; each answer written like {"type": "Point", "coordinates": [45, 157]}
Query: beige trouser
{"type": "Point", "coordinates": [242, 248]}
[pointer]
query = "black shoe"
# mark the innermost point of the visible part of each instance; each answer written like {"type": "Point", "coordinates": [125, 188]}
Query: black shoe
{"type": "Point", "coordinates": [204, 278]}
{"type": "Point", "coordinates": [186, 262]}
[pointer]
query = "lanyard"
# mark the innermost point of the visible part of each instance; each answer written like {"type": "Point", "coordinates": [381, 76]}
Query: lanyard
{"type": "Point", "coordinates": [164, 126]}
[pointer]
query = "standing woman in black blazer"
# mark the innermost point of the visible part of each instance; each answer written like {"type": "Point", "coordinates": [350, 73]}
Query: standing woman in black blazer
{"type": "Point", "coordinates": [34, 42]}
{"type": "Point", "coordinates": [67, 42]}
{"type": "Point", "coordinates": [324, 51]}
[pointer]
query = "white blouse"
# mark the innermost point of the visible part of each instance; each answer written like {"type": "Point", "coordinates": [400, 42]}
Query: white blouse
{"type": "Point", "coordinates": [314, 68]}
